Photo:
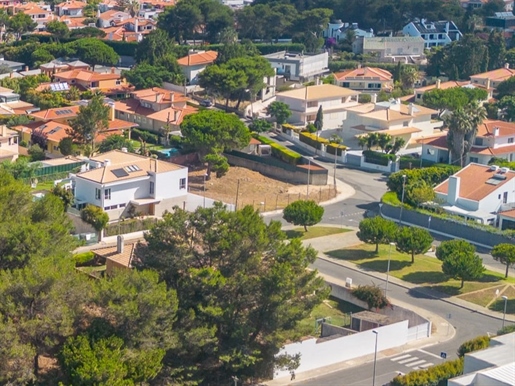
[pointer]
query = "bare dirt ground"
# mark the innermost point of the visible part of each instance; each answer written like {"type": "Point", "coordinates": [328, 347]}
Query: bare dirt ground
{"type": "Point", "coordinates": [255, 189]}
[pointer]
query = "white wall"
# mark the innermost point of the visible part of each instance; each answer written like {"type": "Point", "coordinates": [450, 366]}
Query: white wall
{"type": "Point", "coordinates": [315, 355]}
{"type": "Point", "coordinates": [167, 184]}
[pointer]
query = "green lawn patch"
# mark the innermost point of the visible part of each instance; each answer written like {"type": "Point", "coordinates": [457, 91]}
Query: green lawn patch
{"type": "Point", "coordinates": [83, 258]}
{"type": "Point", "coordinates": [426, 271]}
{"type": "Point", "coordinates": [313, 232]}
{"type": "Point", "coordinates": [391, 199]}
{"type": "Point", "coordinates": [46, 185]}
{"type": "Point", "coordinates": [337, 310]}
{"type": "Point", "coordinates": [482, 298]}
{"type": "Point", "coordinates": [498, 305]}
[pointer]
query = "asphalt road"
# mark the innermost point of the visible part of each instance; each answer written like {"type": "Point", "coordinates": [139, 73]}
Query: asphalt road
{"type": "Point", "coordinates": [468, 325]}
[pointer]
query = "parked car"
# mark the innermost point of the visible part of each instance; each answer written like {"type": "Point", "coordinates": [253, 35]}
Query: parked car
{"type": "Point", "coordinates": [206, 103]}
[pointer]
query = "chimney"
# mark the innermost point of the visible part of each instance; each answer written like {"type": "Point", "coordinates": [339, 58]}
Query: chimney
{"type": "Point", "coordinates": [438, 83]}
{"type": "Point", "coordinates": [136, 24]}
{"type": "Point", "coordinates": [487, 84]}
{"type": "Point", "coordinates": [119, 244]}
{"type": "Point", "coordinates": [112, 112]}
{"type": "Point", "coordinates": [112, 70]}
{"type": "Point", "coordinates": [453, 190]}
{"type": "Point", "coordinates": [506, 65]}
{"type": "Point", "coordinates": [496, 131]}
{"type": "Point", "coordinates": [373, 98]}
{"type": "Point", "coordinates": [172, 97]}
{"type": "Point", "coordinates": [26, 68]}
{"type": "Point", "coordinates": [411, 109]}
{"type": "Point", "coordinates": [107, 162]}
{"type": "Point", "coordinates": [359, 65]}
{"type": "Point", "coordinates": [157, 96]}
{"type": "Point", "coordinates": [175, 115]}
{"type": "Point", "coordinates": [4, 131]}
{"type": "Point", "coordinates": [11, 74]}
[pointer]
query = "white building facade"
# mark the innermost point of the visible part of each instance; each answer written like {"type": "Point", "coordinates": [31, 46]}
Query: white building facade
{"type": "Point", "coordinates": [299, 66]}
{"type": "Point", "coordinates": [435, 34]}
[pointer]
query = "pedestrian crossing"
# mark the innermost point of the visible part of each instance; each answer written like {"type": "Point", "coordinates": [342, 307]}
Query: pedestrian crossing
{"type": "Point", "coordinates": [411, 361]}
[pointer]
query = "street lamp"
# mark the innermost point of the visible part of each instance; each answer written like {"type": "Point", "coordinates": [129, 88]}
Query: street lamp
{"type": "Point", "coordinates": [380, 207]}
{"type": "Point", "coordinates": [375, 359]}
{"type": "Point", "coordinates": [402, 198]}
{"type": "Point", "coordinates": [235, 379]}
{"type": "Point", "coordinates": [504, 313]}
{"type": "Point", "coordinates": [205, 176]}
{"type": "Point", "coordinates": [429, 223]}
{"type": "Point", "coordinates": [388, 267]}
{"type": "Point", "coordinates": [309, 169]}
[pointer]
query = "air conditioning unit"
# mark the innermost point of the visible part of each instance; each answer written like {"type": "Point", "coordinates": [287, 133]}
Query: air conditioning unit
{"type": "Point", "coordinates": [494, 168]}
{"type": "Point", "coordinates": [505, 170]}
{"type": "Point", "coordinates": [92, 25]}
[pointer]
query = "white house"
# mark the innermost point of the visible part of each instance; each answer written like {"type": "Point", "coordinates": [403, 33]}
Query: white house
{"type": "Point", "coordinates": [121, 183]}
{"type": "Point", "coordinates": [420, 91]}
{"type": "Point", "coordinates": [475, 4]}
{"type": "Point", "coordinates": [494, 139]}
{"type": "Point", "coordinates": [438, 33]}
{"type": "Point", "coordinates": [299, 66]}
{"type": "Point", "coordinates": [408, 122]}
{"type": "Point", "coordinates": [70, 8]}
{"type": "Point", "coordinates": [391, 48]}
{"type": "Point", "coordinates": [338, 30]}
{"type": "Point", "coordinates": [305, 102]}
{"type": "Point", "coordinates": [493, 366]}
{"type": "Point", "coordinates": [477, 192]}
{"type": "Point", "coordinates": [8, 144]}
{"type": "Point", "coordinates": [491, 79]}
{"type": "Point", "coordinates": [194, 63]}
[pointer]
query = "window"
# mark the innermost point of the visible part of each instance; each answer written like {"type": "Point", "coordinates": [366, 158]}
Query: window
{"type": "Point", "coordinates": [510, 140]}
{"type": "Point", "coordinates": [97, 194]}
{"type": "Point", "coordinates": [56, 147]}
{"type": "Point", "coordinates": [123, 205]}
{"type": "Point", "coordinates": [311, 118]}
{"type": "Point", "coordinates": [112, 207]}
{"type": "Point", "coordinates": [474, 159]}
{"type": "Point", "coordinates": [182, 183]}
{"type": "Point", "coordinates": [346, 84]}
{"type": "Point", "coordinates": [431, 36]}
{"type": "Point", "coordinates": [118, 82]}
{"type": "Point", "coordinates": [405, 123]}
{"type": "Point", "coordinates": [313, 104]}
{"type": "Point", "coordinates": [107, 194]}
{"type": "Point", "coordinates": [151, 190]}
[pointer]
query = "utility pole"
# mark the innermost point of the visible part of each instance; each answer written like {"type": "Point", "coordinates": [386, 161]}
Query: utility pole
{"type": "Point", "coordinates": [237, 193]}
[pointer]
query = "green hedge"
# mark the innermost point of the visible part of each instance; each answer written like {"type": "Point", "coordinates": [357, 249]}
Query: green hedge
{"type": "Point", "coordinates": [147, 136]}
{"type": "Point", "coordinates": [432, 176]}
{"type": "Point", "coordinates": [375, 157]}
{"type": "Point", "coordinates": [83, 258]}
{"type": "Point", "coordinates": [280, 152]}
{"type": "Point", "coordinates": [332, 148]}
{"type": "Point", "coordinates": [312, 140]}
{"type": "Point", "coordinates": [433, 376]}
{"type": "Point", "coordinates": [475, 344]}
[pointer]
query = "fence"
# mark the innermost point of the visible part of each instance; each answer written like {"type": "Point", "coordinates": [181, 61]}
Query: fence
{"type": "Point", "coordinates": [128, 226]}
{"type": "Point", "coordinates": [49, 170]}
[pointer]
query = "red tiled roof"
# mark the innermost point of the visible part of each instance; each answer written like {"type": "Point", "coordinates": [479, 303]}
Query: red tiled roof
{"type": "Point", "coordinates": [370, 73]}
{"type": "Point", "coordinates": [194, 59]}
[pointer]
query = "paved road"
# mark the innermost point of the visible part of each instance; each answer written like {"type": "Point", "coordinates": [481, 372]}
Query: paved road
{"type": "Point", "coordinates": [468, 325]}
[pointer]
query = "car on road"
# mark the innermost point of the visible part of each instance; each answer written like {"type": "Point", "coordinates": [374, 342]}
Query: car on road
{"type": "Point", "coordinates": [206, 103]}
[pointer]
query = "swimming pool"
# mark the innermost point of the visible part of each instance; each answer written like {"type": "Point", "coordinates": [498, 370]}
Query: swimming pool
{"type": "Point", "coordinates": [169, 152]}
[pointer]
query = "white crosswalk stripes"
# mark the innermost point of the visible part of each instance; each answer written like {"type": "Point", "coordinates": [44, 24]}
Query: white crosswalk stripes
{"type": "Point", "coordinates": [411, 361]}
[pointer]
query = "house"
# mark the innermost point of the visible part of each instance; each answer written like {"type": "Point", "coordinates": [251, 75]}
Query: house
{"type": "Point", "coordinates": [10, 103]}
{"type": "Point", "coordinates": [70, 8]}
{"type": "Point", "coordinates": [299, 66]}
{"type": "Point", "coordinates": [338, 30]}
{"type": "Point", "coordinates": [155, 109]}
{"type": "Point", "coordinates": [390, 49]}
{"type": "Point", "coordinates": [365, 79]}
{"type": "Point", "coordinates": [121, 256]}
{"type": "Point", "coordinates": [123, 183]}
{"type": "Point", "coordinates": [13, 66]}
{"type": "Point", "coordinates": [494, 139]}
{"type": "Point", "coordinates": [8, 144]}
{"type": "Point", "coordinates": [493, 366]}
{"type": "Point", "coordinates": [438, 33]}
{"type": "Point", "coordinates": [305, 102]}
{"type": "Point", "coordinates": [110, 84]}
{"type": "Point", "coordinates": [504, 21]}
{"type": "Point", "coordinates": [40, 13]}
{"type": "Point", "coordinates": [194, 63]}
{"type": "Point", "coordinates": [62, 65]}
{"type": "Point", "coordinates": [491, 79]}
{"type": "Point", "coordinates": [111, 18]}
{"type": "Point", "coordinates": [408, 122]}
{"type": "Point", "coordinates": [475, 4]}
{"type": "Point", "coordinates": [73, 22]}
{"type": "Point", "coordinates": [477, 192]}
{"type": "Point", "coordinates": [107, 5]}
{"type": "Point", "coordinates": [420, 91]}
{"type": "Point", "coordinates": [138, 25]}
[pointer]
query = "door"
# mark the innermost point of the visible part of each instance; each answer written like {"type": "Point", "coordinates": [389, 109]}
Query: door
{"type": "Point", "coordinates": [505, 198]}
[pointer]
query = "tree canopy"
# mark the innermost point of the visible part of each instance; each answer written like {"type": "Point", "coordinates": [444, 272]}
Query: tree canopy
{"type": "Point", "coordinates": [377, 230]}
{"type": "Point", "coordinates": [91, 120]}
{"type": "Point", "coordinates": [453, 98]}
{"type": "Point", "coordinates": [504, 253]}
{"type": "Point", "coordinates": [280, 111]}
{"type": "Point", "coordinates": [460, 260]}
{"type": "Point", "coordinates": [413, 240]}
{"type": "Point", "coordinates": [303, 212]}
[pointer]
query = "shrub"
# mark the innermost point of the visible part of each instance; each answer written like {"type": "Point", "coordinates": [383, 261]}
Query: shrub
{"type": "Point", "coordinates": [506, 330]}
{"type": "Point", "coordinates": [432, 176]}
{"type": "Point", "coordinates": [375, 157]}
{"type": "Point", "coordinates": [303, 212]}
{"type": "Point", "coordinates": [83, 258]}
{"type": "Point", "coordinates": [372, 295]}
{"type": "Point", "coordinates": [475, 344]}
{"type": "Point", "coordinates": [147, 136]}
{"type": "Point", "coordinates": [284, 154]}
{"type": "Point", "coordinates": [313, 140]}
{"type": "Point", "coordinates": [433, 376]}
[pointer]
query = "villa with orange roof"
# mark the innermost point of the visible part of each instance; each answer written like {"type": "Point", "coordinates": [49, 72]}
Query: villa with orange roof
{"type": "Point", "coordinates": [57, 65]}
{"type": "Point", "coordinates": [196, 62]}
{"type": "Point", "coordinates": [70, 8]}
{"type": "Point", "coordinates": [494, 139]}
{"type": "Point", "coordinates": [491, 79]}
{"type": "Point", "coordinates": [111, 84]}
{"type": "Point", "coordinates": [365, 79]}
{"type": "Point", "coordinates": [117, 181]}
{"type": "Point", "coordinates": [154, 109]}
{"type": "Point", "coordinates": [8, 144]}
{"type": "Point", "coordinates": [39, 13]}
{"type": "Point", "coordinates": [478, 192]}
{"type": "Point", "coordinates": [419, 92]}
{"type": "Point", "coordinates": [111, 18]}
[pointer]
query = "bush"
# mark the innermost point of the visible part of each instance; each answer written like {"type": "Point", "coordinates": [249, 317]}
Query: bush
{"type": "Point", "coordinates": [502, 163]}
{"type": "Point", "coordinates": [284, 154]}
{"type": "Point", "coordinates": [83, 258]}
{"type": "Point", "coordinates": [313, 140]}
{"type": "Point", "coordinates": [335, 148]}
{"type": "Point", "coordinates": [378, 158]}
{"type": "Point", "coordinates": [432, 176]}
{"type": "Point", "coordinates": [506, 330]}
{"type": "Point", "coordinates": [303, 212]}
{"type": "Point", "coordinates": [147, 136]}
{"type": "Point", "coordinates": [372, 295]}
{"type": "Point", "coordinates": [475, 344]}
{"type": "Point", "coordinates": [433, 376]}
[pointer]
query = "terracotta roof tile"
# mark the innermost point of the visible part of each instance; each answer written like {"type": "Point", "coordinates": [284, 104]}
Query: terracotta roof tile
{"type": "Point", "coordinates": [86, 75]}
{"type": "Point", "coordinates": [195, 59]}
{"type": "Point", "coordinates": [125, 258]}
{"type": "Point", "coordinates": [369, 73]}
{"type": "Point", "coordinates": [508, 213]}
{"type": "Point", "coordinates": [57, 113]}
{"type": "Point", "coordinates": [498, 75]}
{"type": "Point", "coordinates": [473, 182]}
{"type": "Point", "coordinates": [486, 129]}
{"type": "Point", "coordinates": [323, 91]}
{"type": "Point", "coordinates": [444, 85]}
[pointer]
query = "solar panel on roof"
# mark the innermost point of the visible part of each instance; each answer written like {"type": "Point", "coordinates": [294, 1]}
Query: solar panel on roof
{"type": "Point", "coordinates": [119, 173]}
{"type": "Point", "coordinates": [58, 112]}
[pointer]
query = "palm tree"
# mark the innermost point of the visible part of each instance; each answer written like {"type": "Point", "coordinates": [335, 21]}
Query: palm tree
{"type": "Point", "coordinates": [477, 114]}
{"type": "Point", "coordinates": [362, 141]}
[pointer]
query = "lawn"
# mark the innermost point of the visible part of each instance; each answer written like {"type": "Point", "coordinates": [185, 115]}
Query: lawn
{"type": "Point", "coordinates": [44, 185]}
{"type": "Point", "coordinates": [337, 310]}
{"type": "Point", "coordinates": [426, 270]}
{"type": "Point", "coordinates": [313, 232]}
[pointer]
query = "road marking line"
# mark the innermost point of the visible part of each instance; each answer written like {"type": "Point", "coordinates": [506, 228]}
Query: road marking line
{"type": "Point", "coordinates": [430, 353]}
{"type": "Point", "coordinates": [426, 365]}
{"type": "Point", "coordinates": [408, 360]}
{"type": "Point", "coordinates": [415, 363]}
{"type": "Point", "coordinates": [401, 357]}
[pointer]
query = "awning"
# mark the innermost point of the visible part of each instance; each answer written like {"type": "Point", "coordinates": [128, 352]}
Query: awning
{"type": "Point", "coordinates": [145, 201]}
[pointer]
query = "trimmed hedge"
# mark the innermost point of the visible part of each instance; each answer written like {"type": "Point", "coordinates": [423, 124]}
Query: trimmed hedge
{"type": "Point", "coordinates": [83, 258]}
{"type": "Point", "coordinates": [332, 148]}
{"type": "Point", "coordinates": [475, 344]}
{"type": "Point", "coordinates": [433, 376]}
{"type": "Point", "coordinates": [375, 157]}
{"type": "Point", "coordinates": [146, 135]}
{"type": "Point", "coordinates": [312, 140]}
{"type": "Point", "coordinates": [432, 176]}
{"type": "Point", "coordinates": [280, 152]}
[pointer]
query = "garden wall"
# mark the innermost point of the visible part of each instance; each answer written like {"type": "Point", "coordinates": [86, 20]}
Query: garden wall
{"type": "Point", "coordinates": [445, 227]}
